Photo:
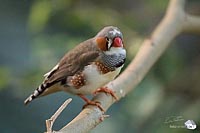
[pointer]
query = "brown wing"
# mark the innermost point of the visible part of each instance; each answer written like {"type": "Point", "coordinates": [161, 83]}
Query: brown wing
{"type": "Point", "coordinates": [73, 62]}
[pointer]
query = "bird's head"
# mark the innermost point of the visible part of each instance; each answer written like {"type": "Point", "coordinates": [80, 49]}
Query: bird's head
{"type": "Point", "coordinates": [110, 40]}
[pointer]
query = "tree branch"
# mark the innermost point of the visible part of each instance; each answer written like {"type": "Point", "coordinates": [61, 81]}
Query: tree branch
{"type": "Point", "coordinates": [174, 22]}
{"type": "Point", "coordinates": [50, 122]}
{"type": "Point", "coordinates": [191, 24]}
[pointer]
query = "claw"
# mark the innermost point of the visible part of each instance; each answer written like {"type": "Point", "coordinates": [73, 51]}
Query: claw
{"type": "Point", "coordinates": [89, 102]}
{"type": "Point", "coordinates": [95, 104]}
{"type": "Point", "coordinates": [107, 91]}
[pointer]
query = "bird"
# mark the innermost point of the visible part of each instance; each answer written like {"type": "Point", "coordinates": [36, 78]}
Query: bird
{"type": "Point", "coordinates": [87, 67]}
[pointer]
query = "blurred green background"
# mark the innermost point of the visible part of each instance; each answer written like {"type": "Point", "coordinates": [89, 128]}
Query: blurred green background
{"type": "Point", "coordinates": [35, 34]}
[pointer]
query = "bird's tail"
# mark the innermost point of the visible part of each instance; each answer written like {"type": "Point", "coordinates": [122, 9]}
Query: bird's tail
{"type": "Point", "coordinates": [36, 93]}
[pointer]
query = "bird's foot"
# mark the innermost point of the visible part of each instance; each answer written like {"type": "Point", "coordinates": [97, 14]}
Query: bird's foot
{"type": "Point", "coordinates": [89, 102]}
{"type": "Point", "coordinates": [94, 103]}
{"type": "Point", "coordinates": [107, 91]}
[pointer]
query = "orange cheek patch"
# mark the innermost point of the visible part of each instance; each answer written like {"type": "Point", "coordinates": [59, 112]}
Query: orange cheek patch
{"type": "Point", "coordinates": [101, 42]}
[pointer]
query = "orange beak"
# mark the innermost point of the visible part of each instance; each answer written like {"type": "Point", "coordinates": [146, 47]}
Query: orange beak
{"type": "Point", "coordinates": [117, 42]}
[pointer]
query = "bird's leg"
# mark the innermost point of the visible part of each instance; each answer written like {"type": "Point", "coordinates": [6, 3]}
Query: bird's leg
{"type": "Point", "coordinates": [107, 91]}
{"type": "Point", "coordinates": [89, 102]}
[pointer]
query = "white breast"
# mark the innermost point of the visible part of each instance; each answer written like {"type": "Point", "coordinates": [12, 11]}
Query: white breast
{"type": "Point", "coordinates": [94, 80]}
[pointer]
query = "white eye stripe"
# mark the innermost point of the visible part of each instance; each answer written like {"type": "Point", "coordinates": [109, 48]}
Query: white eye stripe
{"type": "Point", "coordinates": [109, 43]}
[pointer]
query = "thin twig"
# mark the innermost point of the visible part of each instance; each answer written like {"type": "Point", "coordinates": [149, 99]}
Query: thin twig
{"type": "Point", "coordinates": [50, 122]}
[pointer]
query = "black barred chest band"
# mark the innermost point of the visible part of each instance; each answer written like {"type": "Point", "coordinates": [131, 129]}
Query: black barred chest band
{"type": "Point", "coordinates": [113, 61]}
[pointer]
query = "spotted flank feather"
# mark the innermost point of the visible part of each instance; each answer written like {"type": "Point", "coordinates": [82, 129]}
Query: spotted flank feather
{"type": "Point", "coordinates": [103, 69]}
